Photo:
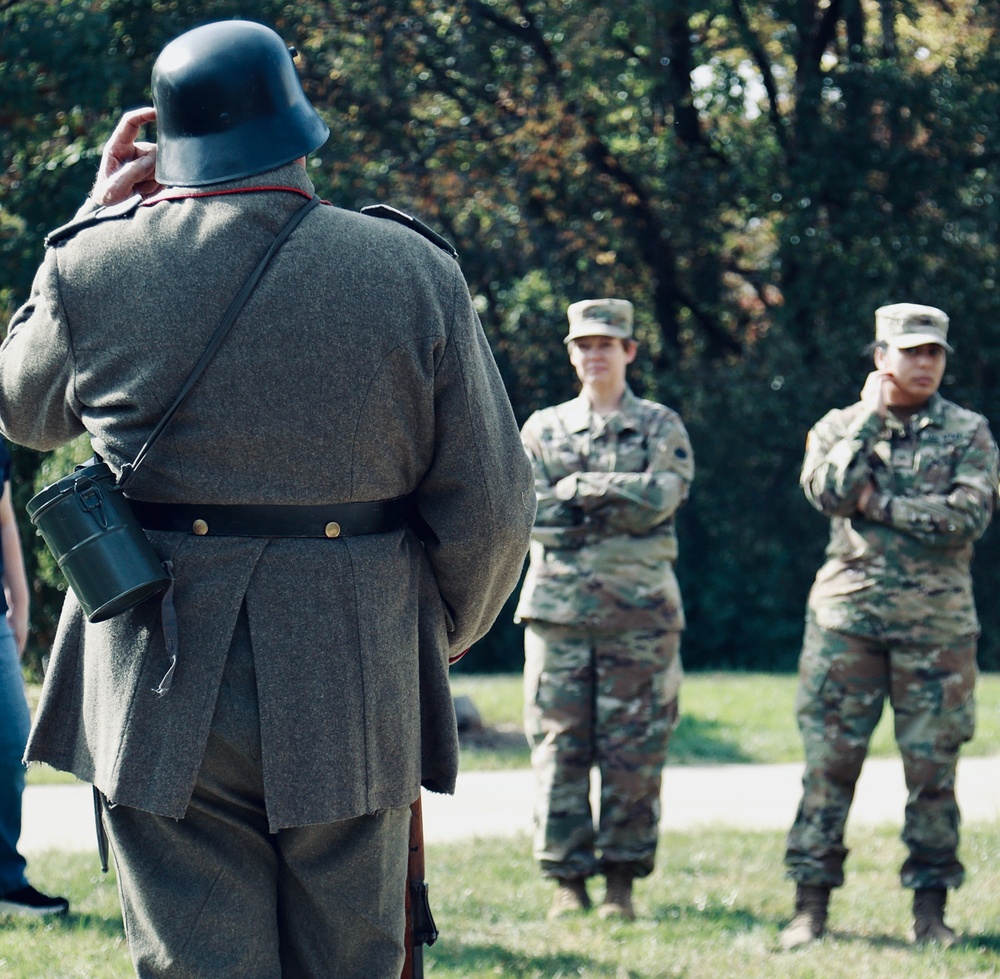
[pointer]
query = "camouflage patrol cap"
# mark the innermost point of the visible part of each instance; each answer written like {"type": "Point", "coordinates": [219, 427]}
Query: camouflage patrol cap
{"type": "Point", "coordinates": [906, 325]}
{"type": "Point", "coordinates": [600, 318]}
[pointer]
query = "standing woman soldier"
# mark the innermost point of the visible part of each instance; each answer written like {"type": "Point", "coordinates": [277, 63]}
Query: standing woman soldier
{"type": "Point", "coordinates": [909, 482]}
{"type": "Point", "coordinates": [603, 614]}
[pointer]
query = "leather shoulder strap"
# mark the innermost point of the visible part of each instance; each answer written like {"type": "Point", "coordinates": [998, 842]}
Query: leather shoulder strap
{"type": "Point", "coordinates": [394, 214]}
{"type": "Point", "coordinates": [87, 220]}
{"type": "Point", "coordinates": [232, 311]}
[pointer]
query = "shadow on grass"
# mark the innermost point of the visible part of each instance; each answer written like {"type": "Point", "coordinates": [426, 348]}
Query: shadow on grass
{"type": "Point", "coordinates": [75, 921]}
{"type": "Point", "coordinates": [494, 739]}
{"type": "Point", "coordinates": [988, 943]}
{"type": "Point", "coordinates": [698, 741]}
{"type": "Point", "coordinates": [111, 926]}
{"type": "Point", "coordinates": [728, 919]}
{"type": "Point", "coordinates": [966, 942]}
{"type": "Point", "coordinates": [881, 942]}
{"type": "Point", "coordinates": [495, 960]}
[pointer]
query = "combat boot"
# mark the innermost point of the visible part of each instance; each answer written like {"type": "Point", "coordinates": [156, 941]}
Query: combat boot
{"type": "Point", "coordinates": [928, 917]}
{"type": "Point", "coordinates": [571, 895]}
{"type": "Point", "coordinates": [809, 922]}
{"type": "Point", "coordinates": [618, 899]}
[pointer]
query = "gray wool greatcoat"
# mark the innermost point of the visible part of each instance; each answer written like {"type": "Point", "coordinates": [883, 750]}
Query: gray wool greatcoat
{"type": "Point", "coordinates": [357, 371]}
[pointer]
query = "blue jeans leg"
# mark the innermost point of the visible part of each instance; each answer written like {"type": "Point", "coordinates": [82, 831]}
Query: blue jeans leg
{"type": "Point", "coordinates": [15, 721]}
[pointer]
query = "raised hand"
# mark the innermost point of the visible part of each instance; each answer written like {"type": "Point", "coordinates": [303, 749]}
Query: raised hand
{"type": "Point", "coordinates": [127, 166]}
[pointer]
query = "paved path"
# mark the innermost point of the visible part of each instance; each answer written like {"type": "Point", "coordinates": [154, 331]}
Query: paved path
{"type": "Point", "coordinates": [489, 804]}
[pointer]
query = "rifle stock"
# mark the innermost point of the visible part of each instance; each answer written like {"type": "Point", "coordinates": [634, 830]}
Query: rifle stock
{"type": "Point", "coordinates": [420, 927]}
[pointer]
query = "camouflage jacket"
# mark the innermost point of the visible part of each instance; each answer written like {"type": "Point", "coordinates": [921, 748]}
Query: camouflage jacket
{"type": "Point", "coordinates": [604, 543]}
{"type": "Point", "coordinates": [900, 570]}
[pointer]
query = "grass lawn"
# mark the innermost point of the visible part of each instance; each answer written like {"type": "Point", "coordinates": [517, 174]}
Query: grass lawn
{"type": "Point", "coordinates": [711, 910]}
{"type": "Point", "coordinates": [725, 718]}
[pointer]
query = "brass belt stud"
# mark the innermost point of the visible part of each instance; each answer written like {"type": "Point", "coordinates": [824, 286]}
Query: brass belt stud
{"type": "Point", "coordinates": [332, 529]}
{"type": "Point", "coordinates": [200, 527]}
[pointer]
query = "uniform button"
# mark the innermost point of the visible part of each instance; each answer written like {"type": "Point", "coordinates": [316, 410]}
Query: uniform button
{"type": "Point", "coordinates": [200, 527]}
{"type": "Point", "coordinates": [332, 529]}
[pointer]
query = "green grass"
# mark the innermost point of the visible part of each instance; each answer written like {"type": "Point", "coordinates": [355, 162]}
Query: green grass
{"type": "Point", "coordinates": [39, 774]}
{"type": "Point", "coordinates": [725, 718]}
{"type": "Point", "coordinates": [89, 943]}
{"type": "Point", "coordinates": [712, 909]}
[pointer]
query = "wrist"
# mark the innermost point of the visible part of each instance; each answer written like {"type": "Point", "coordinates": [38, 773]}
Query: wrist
{"type": "Point", "coordinates": [565, 489]}
{"type": "Point", "coordinates": [877, 507]}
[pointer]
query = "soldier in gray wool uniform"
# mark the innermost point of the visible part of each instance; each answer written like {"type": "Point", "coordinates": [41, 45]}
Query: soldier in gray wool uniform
{"type": "Point", "coordinates": [362, 504]}
{"type": "Point", "coordinates": [603, 614]}
{"type": "Point", "coordinates": [909, 482]}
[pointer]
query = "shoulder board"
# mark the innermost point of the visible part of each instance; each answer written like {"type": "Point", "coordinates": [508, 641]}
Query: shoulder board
{"type": "Point", "coordinates": [88, 220]}
{"type": "Point", "coordinates": [393, 214]}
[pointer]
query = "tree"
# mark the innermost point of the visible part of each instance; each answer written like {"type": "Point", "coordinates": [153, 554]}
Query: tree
{"type": "Point", "coordinates": [756, 176]}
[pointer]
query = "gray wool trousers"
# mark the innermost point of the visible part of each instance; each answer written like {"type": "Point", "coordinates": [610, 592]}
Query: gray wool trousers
{"type": "Point", "coordinates": [215, 895]}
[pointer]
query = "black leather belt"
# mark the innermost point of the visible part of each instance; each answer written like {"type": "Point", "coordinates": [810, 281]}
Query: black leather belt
{"type": "Point", "coordinates": [270, 520]}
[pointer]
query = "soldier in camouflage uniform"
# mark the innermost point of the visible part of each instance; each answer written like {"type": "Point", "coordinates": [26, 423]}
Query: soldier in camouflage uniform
{"type": "Point", "coordinates": [603, 614]}
{"type": "Point", "coordinates": [909, 481]}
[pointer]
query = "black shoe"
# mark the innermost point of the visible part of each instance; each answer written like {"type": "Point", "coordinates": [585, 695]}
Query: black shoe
{"type": "Point", "coordinates": [26, 900]}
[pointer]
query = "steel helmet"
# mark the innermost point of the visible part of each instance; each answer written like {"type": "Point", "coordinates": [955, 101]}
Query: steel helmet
{"type": "Point", "coordinates": [229, 104]}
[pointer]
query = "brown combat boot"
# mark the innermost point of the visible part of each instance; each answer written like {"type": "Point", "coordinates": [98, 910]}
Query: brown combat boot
{"type": "Point", "coordinates": [618, 899]}
{"type": "Point", "coordinates": [571, 895]}
{"type": "Point", "coordinates": [928, 917]}
{"type": "Point", "coordinates": [809, 922]}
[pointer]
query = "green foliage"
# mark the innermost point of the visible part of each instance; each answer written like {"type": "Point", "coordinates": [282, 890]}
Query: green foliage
{"type": "Point", "coordinates": [48, 582]}
{"type": "Point", "coordinates": [756, 176]}
{"type": "Point", "coordinates": [32, 472]}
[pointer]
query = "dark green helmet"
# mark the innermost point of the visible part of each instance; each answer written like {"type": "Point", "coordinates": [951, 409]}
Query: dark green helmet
{"type": "Point", "coordinates": [229, 104]}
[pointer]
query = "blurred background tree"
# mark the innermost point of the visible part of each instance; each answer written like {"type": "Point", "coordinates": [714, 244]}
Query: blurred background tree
{"type": "Point", "coordinates": [757, 177]}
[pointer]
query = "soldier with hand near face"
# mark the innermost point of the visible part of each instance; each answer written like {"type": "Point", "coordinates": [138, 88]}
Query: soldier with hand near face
{"type": "Point", "coordinates": [909, 482]}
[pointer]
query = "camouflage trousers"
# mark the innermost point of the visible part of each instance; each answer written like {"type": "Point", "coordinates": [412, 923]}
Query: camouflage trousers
{"type": "Point", "coordinates": [843, 683]}
{"type": "Point", "coordinates": [604, 702]}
